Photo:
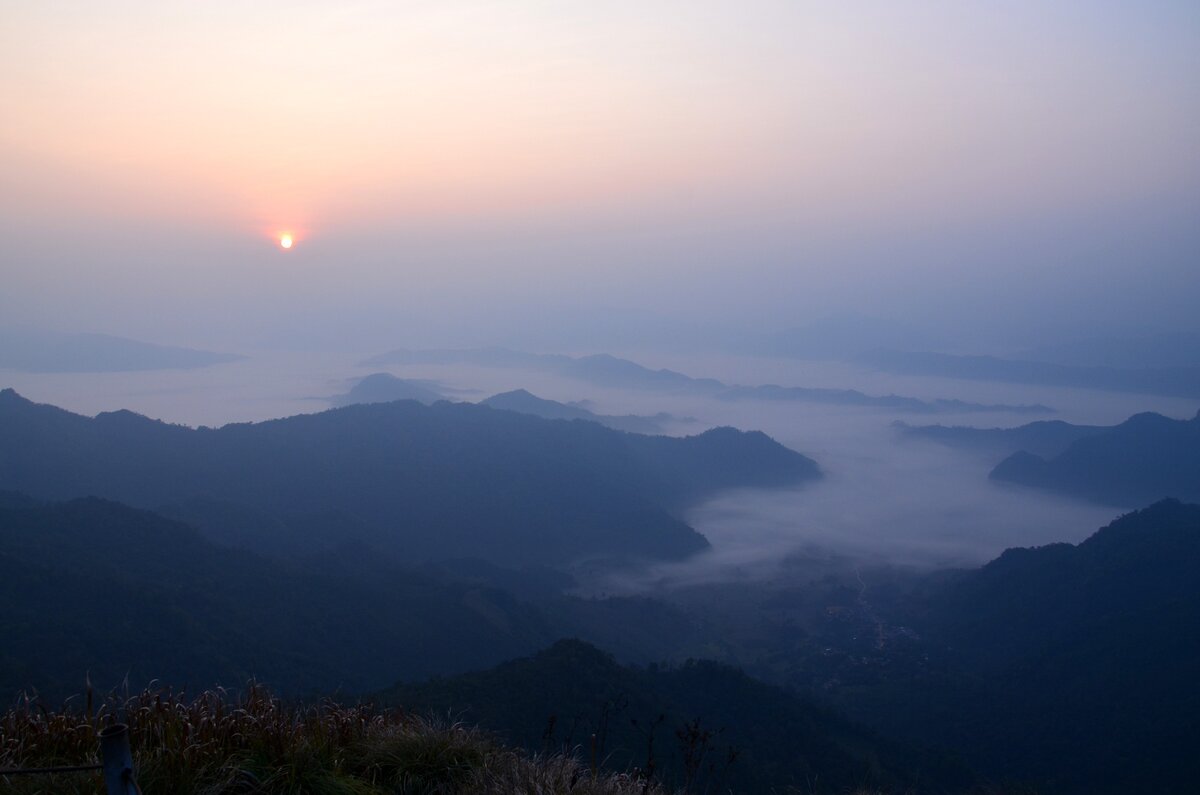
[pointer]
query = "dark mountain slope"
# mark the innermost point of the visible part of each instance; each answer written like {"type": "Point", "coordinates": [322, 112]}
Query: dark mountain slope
{"type": "Point", "coordinates": [1028, 597]}
{"type": "Point", "coordinates": [95, 586]}
{"type": "Point", "coordinates": [1143, 459]}
{"type": "Point", "coordinates": [420, 482]}
{"type": "Point", "coordinates": [1078, 664]}
{"type": "Point", "coordinates": [572, 692]}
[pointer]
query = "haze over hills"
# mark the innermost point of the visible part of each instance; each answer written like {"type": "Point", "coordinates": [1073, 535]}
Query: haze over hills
{"type": "Point", "coordinates": [524, 402]}
{"type": "Point", "coordinates": [40, 351]}
{"type": "Point", "coordinates": [1044, 438]}
{"type": "Point", "coordinates": [385, 387]}
{"type": "Point", "coordinates": [1070, 667]}
{"type": "Point", "coordinates": [853, 337]}
{"type": "Point", "coordinates": [610, 371]}
{"type": "Point", "coordinates": [1164, 350]}
{"type": "Point", "coordinates": [843, 337]}
{"type": "Point", "coordinates": [1143, 459]}
{"type": "Point", "coordinates": [421, 482]}
{"type": "Point", "coordinates": [1171, 381]}
{"type": "Point", "coordinates": [1139, 461]}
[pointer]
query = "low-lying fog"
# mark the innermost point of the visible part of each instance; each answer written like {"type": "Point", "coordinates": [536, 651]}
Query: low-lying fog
{"type": "Point", "coordinates": [883, 499]}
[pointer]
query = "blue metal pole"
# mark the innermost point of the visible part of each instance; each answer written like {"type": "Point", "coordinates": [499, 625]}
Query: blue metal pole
{"type": "Point", "coordinates": [117, 760]}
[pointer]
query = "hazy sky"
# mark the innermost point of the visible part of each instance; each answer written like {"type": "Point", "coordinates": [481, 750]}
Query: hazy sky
{"type": "Point", "coordinates": [459, 171]}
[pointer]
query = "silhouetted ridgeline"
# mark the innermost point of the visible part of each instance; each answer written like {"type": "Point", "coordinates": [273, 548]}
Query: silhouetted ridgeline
{"type": "Point", "coordinates": [1143, 459]}
{"type": "Point", "coordinates": [1045, 438]}
{"type": "Point", "coordinates": [1090, 655]}
{"type": "Point", "coordinates": [524, 402]}
{"type": "Point", "coordinates": [419, 482]}
{"type": "Point", "coordinates": [609, 371]}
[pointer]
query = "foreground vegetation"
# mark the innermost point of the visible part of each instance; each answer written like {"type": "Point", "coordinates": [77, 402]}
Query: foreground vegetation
{"type": "Point", "coordinates": [217, 742]}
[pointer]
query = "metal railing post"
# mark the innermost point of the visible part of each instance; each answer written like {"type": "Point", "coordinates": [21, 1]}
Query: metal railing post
{"type": "Point", "coordinates": [117, 760]}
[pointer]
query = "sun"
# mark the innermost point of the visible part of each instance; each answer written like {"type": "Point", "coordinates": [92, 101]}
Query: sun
{"type": "Point", "coordinates": [286, 240]}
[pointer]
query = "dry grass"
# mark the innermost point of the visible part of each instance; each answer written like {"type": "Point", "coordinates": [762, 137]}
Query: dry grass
{"type": "Point", "coordinates": [219, 743]}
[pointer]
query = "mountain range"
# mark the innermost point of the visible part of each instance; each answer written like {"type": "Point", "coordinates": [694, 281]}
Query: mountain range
{"type": "Point", "coordinates": [385, 388]}
{"type": "Point", "coordinates": [1143, 459]}
{"type": "Point", "coordinates": [1044, 438]}
{"type": "Point", "coordinates": [522, 401]}
{"type": "Point", "coordinates": [1070, 666]}
{"type": "Point", "coordinates": [610, 371]}
{"type": "Point", "coordinates": [418, 482]}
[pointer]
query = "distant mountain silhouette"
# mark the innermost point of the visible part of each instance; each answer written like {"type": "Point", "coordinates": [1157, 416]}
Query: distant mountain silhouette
{"type": "Point", "coordinates": [1172, 381]}
{"type": "Point", "coordinates": [1143, 459]}
{"type": "Point", "coordinates": [53, 352]}
{"type": "Point", "coordinates": [572, 694]}
{"type": "Point", "coordinates": [1044, 438]}
{"type": "Point", "coordinates": [609, 371]}
{"type": "Point", "coordinates": [520, 400]}
{"type": "Point", "coordinates": [422, 482]}
{"type": "Point", "coordinates": [385, 387]}
{"type": "Point", "coordinates": [601, 369]}
{"type": "Point", "coordinates": [852, 397]}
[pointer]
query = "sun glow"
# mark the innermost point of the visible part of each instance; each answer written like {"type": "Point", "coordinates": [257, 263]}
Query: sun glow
{"type": "Point", "coordinates": [286, 240]}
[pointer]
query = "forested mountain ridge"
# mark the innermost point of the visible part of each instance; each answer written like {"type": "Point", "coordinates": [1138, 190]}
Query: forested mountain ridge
{"type": "Point", "coordinates": [1144, 459]}
{"type": "Point", "coordinates": [420, 482]}
{"type": "Point", "coordinates": [1069, 664]}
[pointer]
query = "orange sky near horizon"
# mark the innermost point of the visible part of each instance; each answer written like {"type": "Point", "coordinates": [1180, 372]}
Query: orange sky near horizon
{"type": "Point", "coordinates": [286, 114]}
{"type": "Point", "coordinates": [758, 155]}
